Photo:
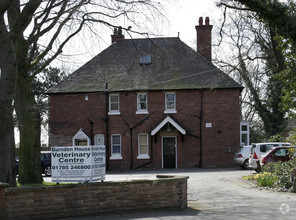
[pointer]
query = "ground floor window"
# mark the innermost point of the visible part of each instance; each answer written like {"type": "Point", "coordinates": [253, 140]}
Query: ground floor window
{"type": "Point", "coordinates": [244, 133]}
{"type": "Point", "coordinates": [115, 147]}
{"type": "Point", "coordinates": [143, 146]}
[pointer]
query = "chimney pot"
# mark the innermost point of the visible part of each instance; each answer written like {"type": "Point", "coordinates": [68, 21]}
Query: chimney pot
{"type": "Point", "coordinates": [115, 32]}
{"type": "Point", "coordinates": [207, 21]}
{"type": "Point", "coordinates": [200, 21]}
{"type": "Point", "coordinates": [117, 35]}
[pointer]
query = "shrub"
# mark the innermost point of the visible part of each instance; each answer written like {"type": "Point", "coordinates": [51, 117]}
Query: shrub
{"type": "Point", "coordinates": [280, 172]}
{"type": "Point", "coordinates": [283, 173]}
{"type": "Point", "coordinates": [266, 179]}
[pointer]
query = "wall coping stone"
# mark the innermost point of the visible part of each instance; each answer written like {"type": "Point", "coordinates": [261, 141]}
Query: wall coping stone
{"type": "Point", "coordinates": [159, 178]}
{"type": "Point", "coordinates": [3, 184]}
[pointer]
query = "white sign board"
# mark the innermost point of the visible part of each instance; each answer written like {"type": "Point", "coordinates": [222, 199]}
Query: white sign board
{"type": "Point", "coordinates": [78, 163]}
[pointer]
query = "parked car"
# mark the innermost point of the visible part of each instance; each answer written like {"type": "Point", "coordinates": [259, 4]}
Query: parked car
{"type": "Point", "coordinates": [45, 163]}
{"type": "Point", "coordinates": [259, 149]}
{"type": "Point", "coordinates": [282, 153]}
{"type": "Point", "coordinates": [241, 157]}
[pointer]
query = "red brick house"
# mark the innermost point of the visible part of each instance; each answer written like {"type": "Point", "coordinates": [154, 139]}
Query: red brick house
{"type": "Point", "coordinates": [154, 103]}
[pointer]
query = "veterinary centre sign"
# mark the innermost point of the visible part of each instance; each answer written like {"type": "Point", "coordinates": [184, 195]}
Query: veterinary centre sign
{"type": "Point", "coordinates": [78, 163]}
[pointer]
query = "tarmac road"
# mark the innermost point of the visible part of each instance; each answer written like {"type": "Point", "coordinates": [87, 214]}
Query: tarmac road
{"type": "Point", "coordinates": [213, 194]}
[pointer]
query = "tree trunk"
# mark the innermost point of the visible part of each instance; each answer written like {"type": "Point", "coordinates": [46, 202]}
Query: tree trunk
{"type": "Point", "coordinates": [7, 149]}
{"type": "Point", "coordinates": [7, 87]}
{"type": "Point", "coordinates": [29, 126]}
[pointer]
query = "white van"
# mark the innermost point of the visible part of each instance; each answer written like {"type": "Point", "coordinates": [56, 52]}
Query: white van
{"type": "Point", "coordinates": [260, 148]}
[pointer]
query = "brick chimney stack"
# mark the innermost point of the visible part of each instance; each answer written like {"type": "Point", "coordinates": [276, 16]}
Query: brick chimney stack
{"type": "Point", "coordinates": [117, 35]}
{"type": "Point", "coordinates": [204, 38]}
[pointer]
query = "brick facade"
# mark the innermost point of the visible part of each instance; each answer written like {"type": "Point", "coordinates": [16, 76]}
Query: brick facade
{"type": "Point", "coordinates": [92, 198]}
{"type": "Point", "coordinates": [195, 108]}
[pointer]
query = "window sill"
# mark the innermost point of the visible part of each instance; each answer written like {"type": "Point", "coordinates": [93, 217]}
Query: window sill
{"type": "Point", "coordinates": [113, 113]}
{"type": "Point", "coordinates": [141, 112]}
{"type": "Point", "coordinates": [143, 157]}
{"type": "Point", "coordinates": [170, 111]}
{"type": "Point", "coordinates": [119, 157]}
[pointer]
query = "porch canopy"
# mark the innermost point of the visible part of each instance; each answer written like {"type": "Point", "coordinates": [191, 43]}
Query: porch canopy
{"type": "Point", "coordinates": [172, 122]}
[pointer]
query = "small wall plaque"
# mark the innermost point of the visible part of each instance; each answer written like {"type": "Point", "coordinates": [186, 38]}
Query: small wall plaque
{"type": "Point", "coordinates": [208, 125]}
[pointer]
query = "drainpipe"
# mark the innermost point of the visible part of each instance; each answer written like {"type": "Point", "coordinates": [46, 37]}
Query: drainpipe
{"type": "Point", "coordinates": [131, 135]}
{"type": "Point", "coordinates": [91, 131]}
{"type": "Point", "coordinates": [200, 127]}
{"type": "Point", "coordinates": [131, 140]}
{"type": "Point", "coordinates": [107, 127]}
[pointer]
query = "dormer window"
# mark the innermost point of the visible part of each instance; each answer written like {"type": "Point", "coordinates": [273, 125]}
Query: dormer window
{"type": "Point", "coordinates": [145, 60]}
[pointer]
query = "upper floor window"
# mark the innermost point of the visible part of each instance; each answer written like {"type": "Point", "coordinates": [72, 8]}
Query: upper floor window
{"type": "Point", "coordinates": [170, 103]}
{"type": "Point", "coordinates": [142, 103]}
{"type": "Point", "coordinates": [115, 147]}
{"type": "Point", "coordinates": [114, 104]}
{"type": "Point", "coordinates": [143, 146]}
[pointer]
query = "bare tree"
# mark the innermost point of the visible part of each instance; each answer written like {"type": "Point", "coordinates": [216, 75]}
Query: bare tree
{"type": "Point", "coordinates": [35, 31]}
{"type": "Point", "coordinates": [281, 18]}
{"type": "Point", "coordinates": [255, 62]}
{"type": "Point", "coordinates": [280, 15]}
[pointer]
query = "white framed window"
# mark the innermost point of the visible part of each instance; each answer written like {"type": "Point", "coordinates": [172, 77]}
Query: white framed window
{"type": "Point", "coordinates": [170, 102]}
{"type": "Point", "coordinates": [115, 147]}
{"type": "Point", "coordinates": [114, 104]}
{"type": "Point", "coordinates": [143, 149]}
{"type": "Point", "coordinates": [244, 133]}
{"type": "Point", "coordinates": [142, 103]}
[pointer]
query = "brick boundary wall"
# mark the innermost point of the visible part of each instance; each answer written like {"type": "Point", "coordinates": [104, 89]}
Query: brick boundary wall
{"type": "Point", "coordinates": [72, 200]}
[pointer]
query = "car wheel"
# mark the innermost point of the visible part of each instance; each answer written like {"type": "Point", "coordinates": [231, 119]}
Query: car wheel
{"type": "Point", "coordinates": [47, 171]}
{"type": "Point", "coordinates": [246, 164]}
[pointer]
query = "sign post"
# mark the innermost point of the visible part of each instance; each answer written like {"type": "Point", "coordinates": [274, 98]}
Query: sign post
{"type": "Point", "coordinates": [78, 163]}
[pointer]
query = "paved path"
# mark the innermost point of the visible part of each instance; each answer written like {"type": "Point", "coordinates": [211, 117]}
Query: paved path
{"type": "Point", "coordinates": [214, 194]}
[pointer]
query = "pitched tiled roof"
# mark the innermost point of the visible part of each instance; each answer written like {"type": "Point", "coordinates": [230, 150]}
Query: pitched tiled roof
{"type": "Point", "coordinates": [126, 66]}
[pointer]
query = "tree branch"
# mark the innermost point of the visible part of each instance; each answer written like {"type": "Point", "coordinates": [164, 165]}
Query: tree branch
{"type": "Point", "coordinates": [277, 15]}
{"type": "Point", "coordinates": [232, 6]}
{"type": "Point", "coordinates": [25, 17]}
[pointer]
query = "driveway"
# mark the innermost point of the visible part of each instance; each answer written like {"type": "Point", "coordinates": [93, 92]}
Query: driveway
{"type": "Point", "coordinates": [214, 194]}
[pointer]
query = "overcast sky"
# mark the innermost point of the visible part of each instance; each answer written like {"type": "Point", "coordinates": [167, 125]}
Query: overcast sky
{"type": "Point", "coordinates": [183, 17]}
{"type": "Point", "coordinates": [180, 16]}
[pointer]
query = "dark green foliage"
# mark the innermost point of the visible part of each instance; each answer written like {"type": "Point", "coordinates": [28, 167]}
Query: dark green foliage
{"type": "Point", "coordinates": [45, 80]}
